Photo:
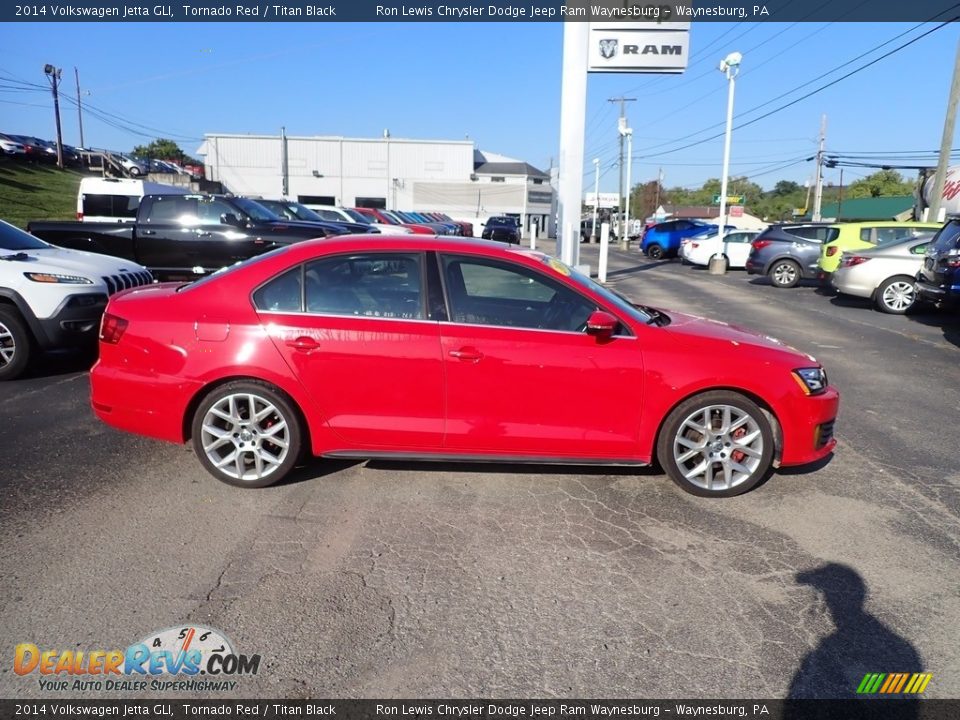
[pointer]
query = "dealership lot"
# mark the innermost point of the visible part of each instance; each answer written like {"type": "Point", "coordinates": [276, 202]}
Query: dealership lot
{"type": "Point", "coordinates": [405, 580]}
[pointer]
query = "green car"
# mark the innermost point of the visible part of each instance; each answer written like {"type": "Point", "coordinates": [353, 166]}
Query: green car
{"type": "Point", "coordinates": [860, 235]}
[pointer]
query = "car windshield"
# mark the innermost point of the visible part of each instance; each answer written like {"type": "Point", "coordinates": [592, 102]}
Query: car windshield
{"type": "Point", "coordinates": [255, 210]}
{"type": "Point", "coordinates": [302, 212]}
{"type": "Point", "coordinates": [619, 301]}
{"type": "Point", "coordinates": [705, 233]}
{"type": "Point", "coordinates": [13, 238]}
{"type": "Point", "coordinates": [946, 238]}
{"type": "Point", "coordinates": [357, 216]}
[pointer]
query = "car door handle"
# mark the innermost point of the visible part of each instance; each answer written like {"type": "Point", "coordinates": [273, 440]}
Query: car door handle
{"type": "Point", "coordinates": [306, 344]}
{"type": "Point", "coordinates": [468, 354]}
{"type": "Point", "coordinates": [148, 232]}
{"type": "Point", "coordinates": [204, 233]}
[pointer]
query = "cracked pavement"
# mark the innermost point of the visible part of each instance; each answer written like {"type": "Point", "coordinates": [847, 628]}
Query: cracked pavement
{"type": "Point", "coordinates": [388, 579]}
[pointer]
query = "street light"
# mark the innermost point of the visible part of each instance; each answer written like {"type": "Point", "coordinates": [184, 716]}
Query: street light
{"type": "Point", "coordinates": [596, 198]}
{"type": "Point", "coordinates": [731, 66]}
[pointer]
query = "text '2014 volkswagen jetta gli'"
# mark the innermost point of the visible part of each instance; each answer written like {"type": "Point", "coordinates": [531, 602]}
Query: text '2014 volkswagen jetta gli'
{"type": "Point", "coordinates": [430, 348]}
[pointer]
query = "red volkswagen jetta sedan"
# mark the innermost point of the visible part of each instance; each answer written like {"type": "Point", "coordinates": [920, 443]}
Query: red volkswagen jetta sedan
{"type": "Point", "coordinates": [435, 349]}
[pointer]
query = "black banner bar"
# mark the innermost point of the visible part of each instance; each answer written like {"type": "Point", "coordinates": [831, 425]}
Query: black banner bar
{"type": "Point", "coordinates": [178, 709]}
{"type": "Point", "coordinates": [621, 11]}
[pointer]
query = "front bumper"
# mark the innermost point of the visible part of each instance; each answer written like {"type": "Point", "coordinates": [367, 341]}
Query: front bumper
{"type": "Point", "coordinates": [73, 324]}
{"type": "Point", "coordinates": [808, 428]}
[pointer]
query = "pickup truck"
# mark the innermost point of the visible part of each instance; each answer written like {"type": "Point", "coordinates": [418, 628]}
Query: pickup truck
{"type": "Point", "coordinates": [184, 236]}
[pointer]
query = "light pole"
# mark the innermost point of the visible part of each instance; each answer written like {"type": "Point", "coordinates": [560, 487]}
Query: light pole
{"type": "Point", "coordinates": [53, 74]}
{"type": "Point", "coordinates": [596, 198]}
{"type": "Point", "coordinates": [731, 66]}
{"type": "Point", "coordinates": [626, 217]}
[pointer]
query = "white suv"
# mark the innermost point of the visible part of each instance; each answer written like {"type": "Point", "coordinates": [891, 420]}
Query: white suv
{"type": "Point", "coordinates": [52, 298]}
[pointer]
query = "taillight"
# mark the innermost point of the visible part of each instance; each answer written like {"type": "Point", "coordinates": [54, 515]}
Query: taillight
{"type": "Point", "coordinates": [80, 216]}
{"type": "Point", "coordinates": [760, 244]}
{"type": "Point", "coordinates": [694, 245]}
{"type": "Point", "coordinates": [831, 251]}
{"type": "Point", "coordinates": [112, 328]}
{"type": "Point", "coordinates": [853, 260]}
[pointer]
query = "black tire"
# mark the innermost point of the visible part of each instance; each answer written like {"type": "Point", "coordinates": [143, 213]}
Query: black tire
{"type": "Point", "coordinates": [655, 252]}
{"type": "Point", "coordinates": [896, 295]}
{"type": "Point", "coordinates": [16, 344]}
{"type": "Point", "coordinates": [716, 452]}
{"type": "Point", "coordinates": [785, 273]}
{"type": "Point", "coordinates": [258, 439]}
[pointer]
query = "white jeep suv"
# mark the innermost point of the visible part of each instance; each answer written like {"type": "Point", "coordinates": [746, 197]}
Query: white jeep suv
{"type": "Point", "coordinates": [52, 298]}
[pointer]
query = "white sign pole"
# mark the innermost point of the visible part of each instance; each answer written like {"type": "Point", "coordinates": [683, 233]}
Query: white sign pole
{"type": "Point", "coordinates": [604, 250]}
{"type": "Point", "coordinates": [573, 106]}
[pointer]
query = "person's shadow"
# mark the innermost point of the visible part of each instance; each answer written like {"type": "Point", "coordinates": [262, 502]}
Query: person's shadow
{"type": "Point", "coordinates": [861, 644]}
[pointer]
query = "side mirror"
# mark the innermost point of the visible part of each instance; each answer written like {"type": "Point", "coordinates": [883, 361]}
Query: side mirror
{"type": "Point", "coordinates": [230, 219]}
{"type": "Point", "coordinates": [601, 325]}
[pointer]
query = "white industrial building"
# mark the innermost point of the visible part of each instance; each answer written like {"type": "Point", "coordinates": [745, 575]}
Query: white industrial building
{"type": "Point", "coordinates": [449, 176]}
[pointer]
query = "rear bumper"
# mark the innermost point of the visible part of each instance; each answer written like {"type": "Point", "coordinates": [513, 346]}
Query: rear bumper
{"type": "Point", "coordinates": [808, 429]}
{"type": "Point", "coordinates": [130, 402]}
{"type": "Point", "coordinates": [74, 324]}
{"type": "Point", "coordinates": [937, 293]}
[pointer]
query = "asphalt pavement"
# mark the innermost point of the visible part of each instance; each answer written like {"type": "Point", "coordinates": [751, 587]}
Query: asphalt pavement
{"type": "Point", "coordinates": [421, 580]}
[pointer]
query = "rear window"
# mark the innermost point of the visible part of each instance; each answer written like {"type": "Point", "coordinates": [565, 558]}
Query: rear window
{"type": "Point", "coordinates": [814, 232]}
{"type": "Point", "coordinates": [948, 237]}
{"type": "Point", "coordinates": [119, 206]}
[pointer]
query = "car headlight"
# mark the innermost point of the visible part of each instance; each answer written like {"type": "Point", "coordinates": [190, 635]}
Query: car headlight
{"type": "Point", "coordinates": [51, 278]}
{"type": "Point", "coordinates": [812, 381]}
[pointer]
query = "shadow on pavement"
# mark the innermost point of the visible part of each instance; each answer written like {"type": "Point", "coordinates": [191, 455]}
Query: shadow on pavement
{"type": "Point", "coordinates": [638, 268]}
{"type": "Point", "coordinates": [498, 468]}
{"type": "Point", "coordinates": [948, 321]}
{"type": "Point", "coordinates": [860, 645]}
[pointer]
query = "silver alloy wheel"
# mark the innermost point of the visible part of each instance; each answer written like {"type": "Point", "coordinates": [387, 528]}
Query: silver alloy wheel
{"type": "Point", "coordinates": [785, 274]}
{"type": "Point", "coordinates": [898, 296]}
{"type": "Point", "coordinates": [245, 436]}
{"type": "Point", "coordinates": [718, 447]}
{"type": "Point", "coordinates": [8, 346]}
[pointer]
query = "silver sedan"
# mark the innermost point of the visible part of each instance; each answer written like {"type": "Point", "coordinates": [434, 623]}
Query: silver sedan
{"type": "Point", "coordinates": [884, 274]}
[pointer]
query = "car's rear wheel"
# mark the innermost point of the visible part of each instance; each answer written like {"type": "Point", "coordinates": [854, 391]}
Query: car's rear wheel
{"type": "Point", "coordinates": [16, 344]}
{"type": "Point", "coordinates": [246, 433]}
{"type": "Point", "coordinates": [655, 252]}
{"type": "Point", "coordinates": [785, 273]}
{"type": "Point", "coordinates": [718, 444]}
{"type": "Point", "coordinates": [896, 295]}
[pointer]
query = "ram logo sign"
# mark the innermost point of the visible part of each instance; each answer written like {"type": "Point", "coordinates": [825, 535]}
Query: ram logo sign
{"type": "Point", "coordinates": [657, 49]}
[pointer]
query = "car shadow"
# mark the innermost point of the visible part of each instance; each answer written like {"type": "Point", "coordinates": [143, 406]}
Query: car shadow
{"type": "Point", "coordinates": [764, 280]}
{"type": "Point", "coordinates": [947, 321]}
{"type": "Point", "coordinates": [316, 468]}
{"type": "Point", "coordinates": [52, 364]}
{"type": "Point", "coordinates": [850, 301]}
{"type": "Point", "coordinates": [532, 468]}
{"type": "Point", "coordinates": [806, 469]}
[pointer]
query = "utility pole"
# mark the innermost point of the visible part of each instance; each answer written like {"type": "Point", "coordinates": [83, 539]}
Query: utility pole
{"type": "Point", "coordinates": [621, 126]}
{"type": "Point", "coordinates": [76, 74]}
{"type": "Point", "coordinates": [53, 74]}
{"type": "Point", "coordinates": [656, 202]}
{"type": "Point", "coordinates": [949, 123]}
{"type": "Point", "coordinates": [284, 167]}
{"type": "Point", "coordinates": [818, 190]}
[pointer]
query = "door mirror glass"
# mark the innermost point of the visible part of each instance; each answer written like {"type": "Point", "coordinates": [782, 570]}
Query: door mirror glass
{"type": "Point", "coordinates": [601, 325]}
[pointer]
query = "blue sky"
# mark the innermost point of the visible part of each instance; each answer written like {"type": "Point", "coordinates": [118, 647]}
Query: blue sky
{"type": "Point", "coordinates": [497, 83]}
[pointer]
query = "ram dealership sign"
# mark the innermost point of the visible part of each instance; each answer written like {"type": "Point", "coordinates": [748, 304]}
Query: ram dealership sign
{"type": "Point", "coordinates": [639, 47]}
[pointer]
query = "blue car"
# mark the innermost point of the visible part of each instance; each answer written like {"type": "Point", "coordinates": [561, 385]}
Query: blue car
{"type": "Point", "coordinates": [663, 239]}
{"type": "Point", "coordinates": [939, 278]}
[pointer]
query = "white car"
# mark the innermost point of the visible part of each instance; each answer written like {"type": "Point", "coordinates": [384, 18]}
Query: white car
{"type": "Point", "coordinates": [735, 246]}
{"type": "Point", "coordinates": [339, 214]}
{"type": "Point", "coordinates": [884, 274]}
{"type": "Point", "coordinates": [52, 298]}
{"type": "Point", "coordinates": [9, 146]}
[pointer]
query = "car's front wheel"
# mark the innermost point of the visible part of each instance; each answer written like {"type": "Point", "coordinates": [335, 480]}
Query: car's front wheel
{"type": "Point", "coordinates": [717, 444]}
{"type": "Point", "coordinates": [896, 295]}
{"type": "Point", "coordinates": [785, 273]}
{"type": "Point", "coordinates": [246, 433]}
{"type": "Point", "coordinates": [16, 344]}
{"type": "Point", "coordinates": [655, 252]}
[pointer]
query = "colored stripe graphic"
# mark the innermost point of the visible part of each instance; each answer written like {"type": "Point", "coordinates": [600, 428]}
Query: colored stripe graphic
{"type": "Point", "coordinates": [894, 683]}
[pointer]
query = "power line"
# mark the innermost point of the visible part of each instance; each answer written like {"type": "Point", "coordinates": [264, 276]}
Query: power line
{"type": "Point", "coordinates": [809, 94]}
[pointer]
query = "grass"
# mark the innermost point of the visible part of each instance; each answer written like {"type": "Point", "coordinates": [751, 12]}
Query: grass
{"type": "Point", "coordinates": [30, 191]}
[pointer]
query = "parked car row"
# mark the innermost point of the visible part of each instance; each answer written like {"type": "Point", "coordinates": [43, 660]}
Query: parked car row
{"type": "Point", "coordinates": [893, 264]}
{"type": "Point", "coordinates": [27, 147]}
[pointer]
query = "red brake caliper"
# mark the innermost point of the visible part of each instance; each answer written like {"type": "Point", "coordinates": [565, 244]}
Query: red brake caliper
{"type": "Point", "coordinates": [738, 455]}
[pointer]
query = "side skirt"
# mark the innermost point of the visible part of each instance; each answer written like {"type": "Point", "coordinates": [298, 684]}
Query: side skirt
{"type": "Point", "coordinates": [514, 459]}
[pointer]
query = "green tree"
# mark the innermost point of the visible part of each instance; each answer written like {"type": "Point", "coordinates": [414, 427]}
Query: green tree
{"type": "Point", "coordinates": [786, 187]}
{"type": "Point", "coordinates": [882, 183]}
{"type": "Point", "coordinates": [163, 149]}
